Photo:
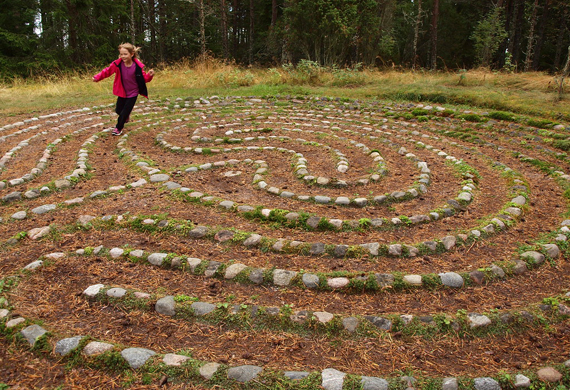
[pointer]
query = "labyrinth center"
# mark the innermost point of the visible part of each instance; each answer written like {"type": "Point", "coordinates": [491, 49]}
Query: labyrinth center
{"type": "Point", "coordinates": [288, 241]}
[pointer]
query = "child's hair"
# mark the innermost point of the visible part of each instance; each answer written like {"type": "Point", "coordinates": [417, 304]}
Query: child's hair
{"type": "Point", "coordinates": [131, 48]}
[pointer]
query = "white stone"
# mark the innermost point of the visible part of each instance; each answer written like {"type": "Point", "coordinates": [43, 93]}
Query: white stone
{"type": "Point", "coordinates": [34, 265]}
{"type": "Point", "coordinates": [323, 316]}
{"type": "Point", "coordinates": [233, 270]}
{"type": "Point", "coordinates": [478, 320]}
{"type": "Point", "coordinates": [522, 381]}
{"type": "Point", "coordinates": [93, 290]}
{"type": "Point", "coordinates": [116, 252]}
{"type": "Point", "coordinates": [171, 359]}
{"type": "Point", "coordinates": [97, 348]}
{"type": "Point", "coordinates": [208, 370]}
{"type": "Point", "coordinates": [414, 280]}
{"type": "Point", "coordinates": [337, 282]}
{"type": "Point", "coordinates": [156, 258]}
{"type": "Point", "coordinates": [15, 322]}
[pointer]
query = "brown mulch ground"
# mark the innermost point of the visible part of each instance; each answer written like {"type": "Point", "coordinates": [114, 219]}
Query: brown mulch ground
{"type": "Point", "coordinates": [52, 294]}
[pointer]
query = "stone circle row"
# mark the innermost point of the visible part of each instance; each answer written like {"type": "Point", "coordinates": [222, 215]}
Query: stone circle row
{"type": "Point", "coordinates": [136, 358]}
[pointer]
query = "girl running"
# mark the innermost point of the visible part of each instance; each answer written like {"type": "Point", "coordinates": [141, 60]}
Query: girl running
{"type": "Point", "coordinates": [130, 82]}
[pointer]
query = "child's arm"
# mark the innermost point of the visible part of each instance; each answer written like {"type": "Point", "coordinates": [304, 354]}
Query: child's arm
{"type": "Point", "coordinates": [148, 76]}
{"type": "Point", "coordinates": [108, 71]}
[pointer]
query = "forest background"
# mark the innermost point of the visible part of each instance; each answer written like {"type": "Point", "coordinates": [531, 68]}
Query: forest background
{"type": "Point", "coordinates": [44, 37]}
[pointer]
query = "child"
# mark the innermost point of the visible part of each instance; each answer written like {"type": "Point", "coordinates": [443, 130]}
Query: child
{"type": "Point", "coordinates": [130, 81]}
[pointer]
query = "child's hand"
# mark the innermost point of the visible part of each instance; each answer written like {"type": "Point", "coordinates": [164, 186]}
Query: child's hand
{"type": "Point", "coordinates": [151, 72]}
{"type": "Point", "coordinates": [94, 79]}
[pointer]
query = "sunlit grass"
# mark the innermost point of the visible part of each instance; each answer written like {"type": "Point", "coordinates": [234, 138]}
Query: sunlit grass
{"type": "Point", "coordinates": [524, 93]}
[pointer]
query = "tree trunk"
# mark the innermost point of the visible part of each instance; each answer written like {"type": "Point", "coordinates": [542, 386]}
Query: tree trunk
{"type": "Point", "coordinates": [531, 38]}
{"type": "Point", "coordinates": [224, 28]}
{"type": "Point", "coordinates": [133, 22]}
{"type": "Point", "coordinates": [251, 27]}
{"type": "Point", "coordinates": [515, 38]}
{"type": "Point", "coordinates": [502, 52]}
{"type": "Point", "coordinates": [274, 10]}
{"type": "Point", "coordinates": [73, 41]}
{"type": "Point", "coordinates": [560, 39]}
{"type": "Point", "coordinates": [48, 30]}
{"type": "Point", "coordinates": [286, 57]}
{"type": "Point", "coordinates": [434, 20]}
{"type": "Point", "coordinates": [540, 35]}
{"type": "Point", "coordinates": [416, 35]}
{"type": "Point", "coordinates": [563, 76]}
{"type": "Point", "coordinates": [162, 29]}
{"type": "Point", "coordinates": [510, 24]}
{"type": "Point", "coordinates": [236, 11]}
{"type": "Point", "coordinates": [202, 16]}
{"type": "Point", "coordinates": [152, 19]}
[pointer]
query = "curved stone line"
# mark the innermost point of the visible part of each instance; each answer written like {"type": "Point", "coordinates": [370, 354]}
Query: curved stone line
{"type": "Point", "coordinates": [39, 118]}
{"type": "Point", "coordinates": [301, 161]}
{"type": "Point", "coordinates": [397, 249]}
{"type": "Point", "coordinates": [342, 166]}
{"type": "Point", "coordinates": [142, 359]}
{"type": "Point", "coordinates": [301, 165]}
{"type": "Point", "coordinates": [137, 357]}
{"type": "Point", "coordinates": [25, 142]}
{"type": "Point", "coordinates": [175, 148]}
{"type": "Point", "coordinates": [377, 223]}
{"type": "Point", "coordinates": [155, 175]}
{"type": "Point", "coordinates": [352, 281]}
{"type": "Point", "coordinates": [81, 167]}
{"type": "Point", "coordinates": [43, 161]}
{"type": "Point", "coordinates": [258, 178]}
{"type": "Point", "coordinates": [68, 180]}
{"type": "Point", "coordinates": [561, 174]}
{"type": "Point", "coordinates": [318, 322]}
{"type": "Point", "coordinates": [556, 174]}
{"type": "Point", "coordinates": [230, 205]}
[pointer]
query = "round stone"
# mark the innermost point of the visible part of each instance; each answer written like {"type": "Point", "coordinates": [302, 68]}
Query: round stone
{"type": "Point", "coordinates": [244, 373]}
{"type": "Point", "coordinates": [20, 215]}
{"type": "Point", "coordinates": [137, 357]}
{"type": "Point", "coordinates": [549, 374]}
{"type": "Point", "coordinates": [451, 279]}
{"type": "Point", "coordinates": [310, 280]}
{"type": "Point", "coordinates": [159, 177]}
{"type": "Point", "coordinates": [486, 384]}
{"type": "Point", "coordinates": [335, 283]}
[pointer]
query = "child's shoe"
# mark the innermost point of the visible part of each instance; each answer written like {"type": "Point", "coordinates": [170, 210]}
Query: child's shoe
{"type": "Point", "coordinates": [117, 132]}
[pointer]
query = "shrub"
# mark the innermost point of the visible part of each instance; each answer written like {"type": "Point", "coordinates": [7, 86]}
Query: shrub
{"type": "Point", "coordinates": [564, 145]}
{"type": "Point", "coordinates": [471, 117]}
{"type": "Point", "coordinates": [420, 111]}
{"type": "Point", "coordinates": [502, 116]}
{"type": "Point", "coordinates": [540, 123]}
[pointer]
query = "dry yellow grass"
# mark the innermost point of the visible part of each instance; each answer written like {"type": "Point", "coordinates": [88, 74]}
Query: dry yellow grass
{"type": "Point", "coordinates": [526, 93]}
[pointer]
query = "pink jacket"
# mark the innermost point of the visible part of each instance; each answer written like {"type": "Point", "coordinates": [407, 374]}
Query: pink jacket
{"type": "Point", "coordinates": [114, 68]}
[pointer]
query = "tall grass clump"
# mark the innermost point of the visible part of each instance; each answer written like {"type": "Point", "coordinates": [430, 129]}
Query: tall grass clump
{"type": "Point", "coordinates": [311, 73]}
{"type": "Point", "coordinates": [305, 72]}
{"type": "Point", "coordinates": [206, 72]}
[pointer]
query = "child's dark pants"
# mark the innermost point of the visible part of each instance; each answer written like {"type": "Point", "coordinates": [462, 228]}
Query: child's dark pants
{"type": "Point", "coordinates": [123, 109]}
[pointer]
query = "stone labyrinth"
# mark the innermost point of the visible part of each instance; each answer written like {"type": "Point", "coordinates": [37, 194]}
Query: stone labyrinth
{"type": "Point", "coordinates": [305, 243]}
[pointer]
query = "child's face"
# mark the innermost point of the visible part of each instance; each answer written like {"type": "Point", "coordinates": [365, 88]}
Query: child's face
{"type": "Point", "coordinates": [125, 55]}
